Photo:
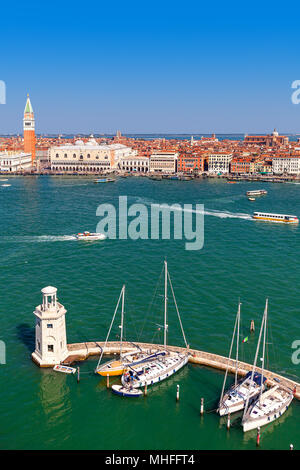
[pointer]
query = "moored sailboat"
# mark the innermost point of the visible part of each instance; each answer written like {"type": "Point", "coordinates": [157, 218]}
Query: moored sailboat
{"type": "Point", "coordinates": [167, 363]}
{"type": "Point", "coordinates": [116, 367]}
{"type": "Point", "coordinates": [247, 388]}
{"type": "Point", "coordinates": [270, 404]}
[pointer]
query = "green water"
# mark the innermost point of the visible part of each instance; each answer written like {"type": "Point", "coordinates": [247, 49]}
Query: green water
{"type": "Point", "coordinates": [41, 409]}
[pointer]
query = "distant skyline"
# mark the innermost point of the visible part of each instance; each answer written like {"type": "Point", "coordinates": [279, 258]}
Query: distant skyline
{"type": "Point", "coordinates": [159, 67]}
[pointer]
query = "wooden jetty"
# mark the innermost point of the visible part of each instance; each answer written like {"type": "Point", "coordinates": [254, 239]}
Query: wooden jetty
{"type": "Point", "coordinates": [81, 351]}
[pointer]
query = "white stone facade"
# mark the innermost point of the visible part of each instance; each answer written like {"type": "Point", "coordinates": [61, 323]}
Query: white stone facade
{"type": "Point", "coordinates": [89, 157]}
{"type": "Point", "coordinates": [12, 162]}
{"type": "Point", "coordinates": [139, 164]}
{"type": "Point", "coordinates": [163, 162]}
{"type": "Point", "coordinates": [50, 330]}
{"type": "Point", "coordinates": [219, 162]}
{"type": "Point", "coordinates": [289, 165]}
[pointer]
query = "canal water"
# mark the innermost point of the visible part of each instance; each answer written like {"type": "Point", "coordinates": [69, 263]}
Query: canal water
{"type": "Point", "coordinates": [41, 409]}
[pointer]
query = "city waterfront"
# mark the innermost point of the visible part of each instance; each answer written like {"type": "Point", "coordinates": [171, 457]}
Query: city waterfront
{"type": "Point", "coordinates": [240, 258]}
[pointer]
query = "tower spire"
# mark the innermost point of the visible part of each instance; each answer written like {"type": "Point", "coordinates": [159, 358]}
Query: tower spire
{"type": "Point", "coordinates": [29, 129]}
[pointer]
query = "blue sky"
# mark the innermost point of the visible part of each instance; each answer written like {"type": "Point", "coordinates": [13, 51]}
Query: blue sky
{"type": "Point", "coordinates": [150, 66]}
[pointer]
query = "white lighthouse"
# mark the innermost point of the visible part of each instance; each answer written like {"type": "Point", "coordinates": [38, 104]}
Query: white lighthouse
{"type": "Point", "coordinates": [50, 330]}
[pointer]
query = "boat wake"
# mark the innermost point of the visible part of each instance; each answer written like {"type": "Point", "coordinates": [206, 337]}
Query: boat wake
{"type": "Point", "coordinates": [38, 238]}
{"type": "Point", "coordinates": [214, 213]}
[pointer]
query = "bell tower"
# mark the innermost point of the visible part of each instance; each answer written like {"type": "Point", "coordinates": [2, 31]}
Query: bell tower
{"type": "Point", "coordinates": [29, 130]}
{"type": "Point", "coordinates": [50, 330]}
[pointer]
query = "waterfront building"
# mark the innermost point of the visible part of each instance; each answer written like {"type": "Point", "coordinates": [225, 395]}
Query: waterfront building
{"type": "Point", "coordinates": [163, 162]}
{"type": "Point", "coordinates": [134, 163]}
{"type": "Point", "coordinates": [289, 164]}
{"type": "Point", "coordinates": [50, 330]}
{"type": "Point", "coordinates": [12, 162]}
{"type": "Point", "coordinates": [269, 140]}
{"type": "Point", "coordinates": [29, 130]}
{"type": "Point", "coordinates": [240, 165]}
{"type": "Point", "coordinates": [219, 162]}
{"type": "Point", "coordinates": [190, 163]}
{"type": "Point", "coordinates": [87, 156]}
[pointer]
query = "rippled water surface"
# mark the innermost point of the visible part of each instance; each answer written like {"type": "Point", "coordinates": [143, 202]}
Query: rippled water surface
{"type": "Point", "coordinates": [42, 409]}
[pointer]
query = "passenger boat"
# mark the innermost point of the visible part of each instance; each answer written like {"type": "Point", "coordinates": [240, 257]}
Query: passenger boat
{"type": "Point", "coordinates": [268, 407]}
{"type": "Point", "coordinates": [126, 391]}
{"type": "Point", "coordinates": [65, 369]}
{"type": "Point", "coordinates": [248, 387]}
{"type": "Point", "coordinates": [167, 363]}
{"type": "Point", "coordinates": [257, 192]}
{"type": "Point", "coordinates": [90, 236]}
{"type": "Point", "coordinates": [279, 218]}
{"type": "Point", "coordinates": [105, 180]}
{"type": "Point", "coordinates": [118, 366]}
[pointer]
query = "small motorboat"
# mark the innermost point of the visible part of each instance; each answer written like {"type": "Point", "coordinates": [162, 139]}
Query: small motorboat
{"type": "Point", "coordinates": [105, 180]}
{"type": "Point", "coordinates": [65, 369]}
{"type": "Point", "coordinates": [251, 198]}
{"type": "Point", "coordinates": [126, 391]}
{"type": "Point", "coordinates": [90, 236]}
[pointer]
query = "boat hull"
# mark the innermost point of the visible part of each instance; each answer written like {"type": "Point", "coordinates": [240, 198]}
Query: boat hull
{"type": "Point", "coordinates": [253, 423]}
{"type": "Point", "coordinates": [159, 378]}
{"type": "Point", "coordinates": [125, 392]}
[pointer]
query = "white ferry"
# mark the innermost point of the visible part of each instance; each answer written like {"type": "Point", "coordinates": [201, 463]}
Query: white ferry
{"type": "Point", "coordinates": [257, 192]}
{"type": "Point", "coordinates": [282, 218]}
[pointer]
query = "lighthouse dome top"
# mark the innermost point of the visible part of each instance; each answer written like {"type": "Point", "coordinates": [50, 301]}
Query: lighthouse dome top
{"type": "Point", "coordinates": [49, 290]}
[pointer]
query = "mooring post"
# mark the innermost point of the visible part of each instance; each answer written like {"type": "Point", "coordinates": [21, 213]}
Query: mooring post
{"type": "Point", "coordinates": [252, 326]}
{"type": "Point", "coordinates": [107, 381]}
{"type": "Point", "coordinates": [78, 374]}
{"type": "Point", "coordinates": [291, 447]}
{"type": "Point", "coordinates": [258, 436]}
{"type": "Point", "coordinates": [202, 406]}
{"type": "Point", "coordinates": [177, 393]}
{"type": "Point", "coordinates": [228, 421]}
{"type": "Point", "coordinates": [145, 390]}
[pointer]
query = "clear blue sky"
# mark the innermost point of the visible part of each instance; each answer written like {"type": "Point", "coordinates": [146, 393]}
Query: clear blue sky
{"type": "Point", "coordinates": [152, 66]}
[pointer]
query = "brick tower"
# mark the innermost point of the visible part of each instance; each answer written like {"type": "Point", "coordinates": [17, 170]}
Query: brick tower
{"type": "Point", "coordinates": [29, 130]}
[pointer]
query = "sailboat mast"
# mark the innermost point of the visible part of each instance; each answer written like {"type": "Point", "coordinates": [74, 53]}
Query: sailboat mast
{"type": "Point", "coordinates": [264, 345]}
{"type": "Point", "coordinates": [237, 342]}
{"type": "Point", "coordinates": [255, 359]}
{"type": "Point", "coordinates": [166, 304]}
{"type": "Point", "coordinates": [122, 319]}
{"type": "Point", "coordinates": [229, 356]}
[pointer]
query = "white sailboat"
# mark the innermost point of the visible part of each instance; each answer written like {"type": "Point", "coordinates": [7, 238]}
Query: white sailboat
{"type": "Point", "coordinates": [248, 387]}
{"type": "Point", "coordinates": [118, 366]}
{"type": "Point", "coordinates": [165, 365]}
{"type": "Point", "coordinates": [272, 403]}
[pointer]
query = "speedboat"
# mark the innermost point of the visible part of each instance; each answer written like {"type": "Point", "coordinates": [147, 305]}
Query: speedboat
{"type": "Point", "coordinates": [65, 369]}
{"type": "Point", "coordinates": [126, 391]}
{"type": "Point", "coordinates": [105, 180]}
{"type": "Point", "coordinates": [268, 407]}
{"type": "Point", "coordinates": [90, 236]}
